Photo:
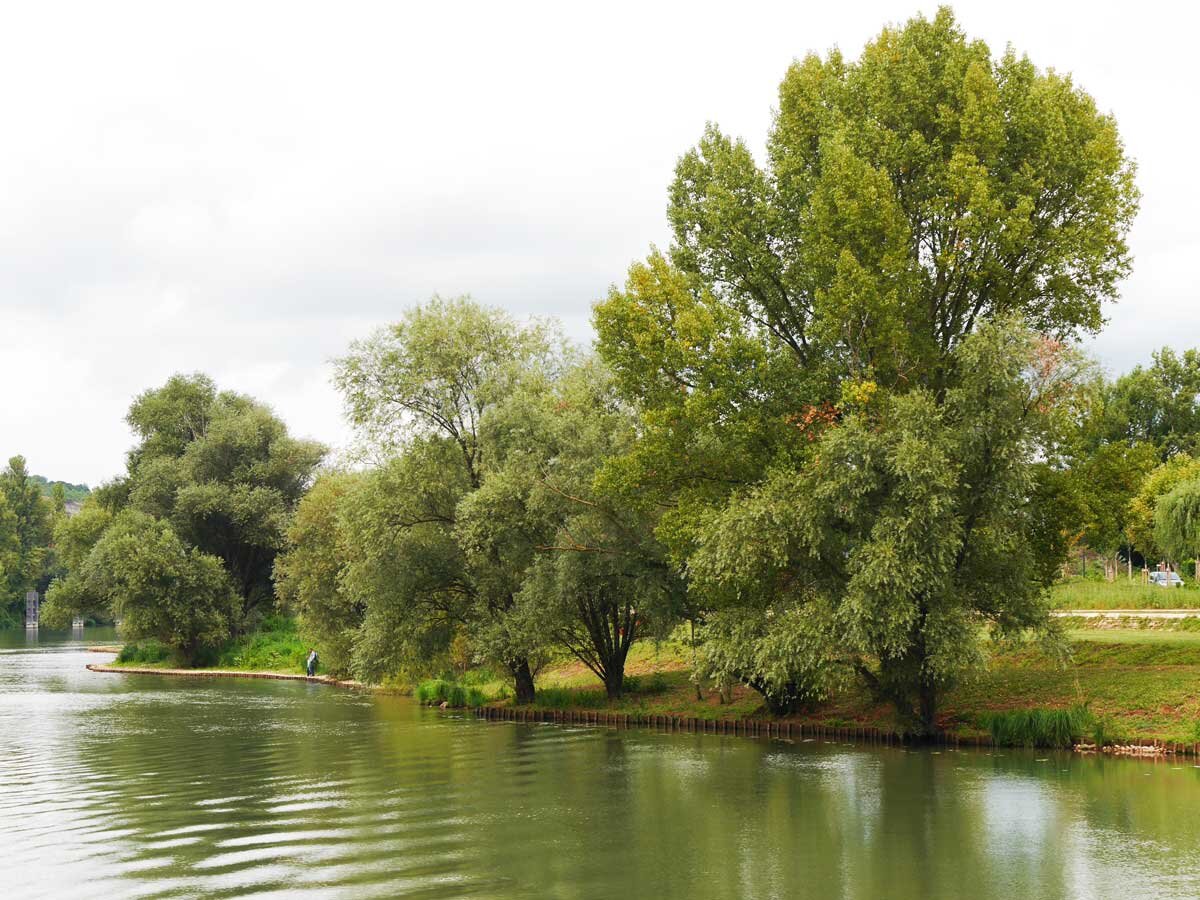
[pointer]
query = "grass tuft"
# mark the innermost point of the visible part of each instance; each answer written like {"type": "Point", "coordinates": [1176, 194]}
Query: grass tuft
{"type": "Point", "coordinates": [437, 691]}
{"type": "Point", "coordinates": [1055, 728]}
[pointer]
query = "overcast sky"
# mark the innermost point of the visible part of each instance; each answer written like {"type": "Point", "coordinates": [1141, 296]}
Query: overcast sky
{"type": "Point", "coordinates": [242, 189]}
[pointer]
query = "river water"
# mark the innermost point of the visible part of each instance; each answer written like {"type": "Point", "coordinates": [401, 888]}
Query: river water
{"type": "Point", "coordinates": [151, 786]}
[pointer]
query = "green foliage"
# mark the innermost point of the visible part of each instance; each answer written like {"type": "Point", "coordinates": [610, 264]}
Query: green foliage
{"type": "Point", "coordinates": [74, 493]}
{"type": "Point", "coordinates": [1159, 404]}
{"type": "Point", "coordinates": [1054, 728]}
{"type": "Point", "coordinates": [590, 574]}
{"type": "Point", "coordinates": [842, 412]}
{"type": "Point", "coordinates": [75, 536]}
{"type": "Point", "coordinates": [209, 487]}
{"type": "Point", "coordinates": [222, 469]}
{"type": "Point", "coordinates": [145, 653]}
{"type": "Point", "coordinates": [25, 530]}
{"type": "Point", "coordinates": [908, 195]}
{"type": "Point", "coordinates": [423, 391]}
{"type": "Point", "coordinates": [1142, 508]}
{"type": "Point", "coordinates": [159, 587]}
{"type": "Point", "coordinates": [911, 525]}
{"type": "Point", "coordinates": [453, 694]}
{"type": "Point", "coordinates": [307, 576]}
{"type": "Point", "coordinates": [1177, 522]}
{"type": "Point", "coordinates": [276, 646]}
{"type": "Point", "coordinates": [783, 651]}
{"type": "Point", "coordinates": [1109, 479]}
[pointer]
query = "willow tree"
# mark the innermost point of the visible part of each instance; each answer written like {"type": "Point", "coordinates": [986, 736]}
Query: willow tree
{"type": "Point", "coordinates": [1177, 523]}
{"type": "Point", "coordinates": [908, 198]}
{"type": "Point", "coordinates": [590, 575]}
{"type": "Point", "coordinates": [420, 392]}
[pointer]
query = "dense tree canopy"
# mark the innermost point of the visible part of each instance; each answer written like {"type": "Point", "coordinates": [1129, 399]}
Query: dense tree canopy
{"type": "Point", "coordinates": [157, 586]}
{"type": "Point", "coordinates": [907, 196]}
{"type": "Point", "coordinates": [421, 392]}
{"type": "Point", "coordinates": [1142, 508]}
{"type": "Point", "coordinates": [212, 481]}
{"type": "Point", "coordinates": [26, 522]}
{"type": "Point", "coordinates": [308, 577]}
{"type": "Point", "coordinates": [222, 469]}
{"type": "Point", "coordinates": [1158, 404]}
{"type": "Point", "coordinates": [593, 577]}
{"type": "Point", "coordinates": [804, 353]}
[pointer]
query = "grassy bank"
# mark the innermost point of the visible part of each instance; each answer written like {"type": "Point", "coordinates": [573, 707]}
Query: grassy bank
{"type": "Point", "coordinates": [1121, 685]}
{"type": "Point", "coordinates": [274, 647]}
{"type": "Point", "coordinates": [1135, 680]}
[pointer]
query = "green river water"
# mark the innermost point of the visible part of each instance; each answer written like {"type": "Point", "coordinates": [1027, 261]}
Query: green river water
{"type": "Point", "coordinates": [151, 786]}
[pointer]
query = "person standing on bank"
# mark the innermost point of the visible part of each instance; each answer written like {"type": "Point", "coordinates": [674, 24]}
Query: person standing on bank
{"type": "Point", "coordinates": [312, 662]}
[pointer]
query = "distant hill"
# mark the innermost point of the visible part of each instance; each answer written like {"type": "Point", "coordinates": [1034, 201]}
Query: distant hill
{"type": "Point", "coordinates": [75, 493]}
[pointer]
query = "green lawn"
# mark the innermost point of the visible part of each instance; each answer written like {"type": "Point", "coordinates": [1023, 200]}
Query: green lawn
{"type": "Point", "coordinates": [1121, 594]}
{"type": "Point", "coordinates": [1143, 682]}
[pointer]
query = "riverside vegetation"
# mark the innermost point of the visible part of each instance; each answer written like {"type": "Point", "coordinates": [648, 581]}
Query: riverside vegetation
{"type": "Point", "coordinates": [830, 457]}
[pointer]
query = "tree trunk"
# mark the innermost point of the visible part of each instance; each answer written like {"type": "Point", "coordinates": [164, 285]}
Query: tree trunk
{"type": "Point", "coordinates": [523, 679]}
{"type": "Point", "coordinates": [614, 681]}
{"type": "Point", "coordinates": [927, 712]}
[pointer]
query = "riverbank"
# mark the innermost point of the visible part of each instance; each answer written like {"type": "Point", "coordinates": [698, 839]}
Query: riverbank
{"type": "Point", "coordinates": [223, 673]}
{"type": "Point", "coordinates": [1139, 679]}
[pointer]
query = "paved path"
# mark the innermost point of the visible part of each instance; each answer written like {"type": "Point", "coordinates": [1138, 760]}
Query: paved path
{"type": "Point", "coordinates": [1128, 613]}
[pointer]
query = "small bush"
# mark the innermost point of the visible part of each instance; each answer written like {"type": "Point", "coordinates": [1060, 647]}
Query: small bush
{"type": "Point", "coordinates": [433, 691]}
{"type": "Point", "coordinates": [1055, 728]}
{"type": "Point", "coordinates": [144, 653]}
{"type": "Point", "coordinates": [275, 646]}
{"type": "Point", "coordinates": [438, 690]}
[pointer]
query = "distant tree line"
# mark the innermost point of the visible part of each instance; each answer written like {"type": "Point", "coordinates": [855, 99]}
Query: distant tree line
{"type": "Point", "coordinates": [28, 516]}
{"type": "Point", "coordinates": [62, 490]}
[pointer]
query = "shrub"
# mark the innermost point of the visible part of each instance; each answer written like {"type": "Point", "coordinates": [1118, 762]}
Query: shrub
{"type": "Point", "coordinates": [274, 646]}
{"type": "Point", "coordinates": [144, 653]}
{"type": "Point", "coordinates": [1057, 728]}
{"type": "Point", "coordinates": [455, 695]}
{"type": "Point", "coordinates": [433, 691]}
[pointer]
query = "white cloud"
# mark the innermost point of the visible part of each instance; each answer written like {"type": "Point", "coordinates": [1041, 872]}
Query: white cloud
{"type": "Point", "coordinates": [243, 188]}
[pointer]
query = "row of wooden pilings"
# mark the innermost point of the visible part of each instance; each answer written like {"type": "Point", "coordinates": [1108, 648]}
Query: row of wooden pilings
{"type": "Point", "coordinates": [689, 724]}
{"type": "Point", "coordinates": [765, 728]}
